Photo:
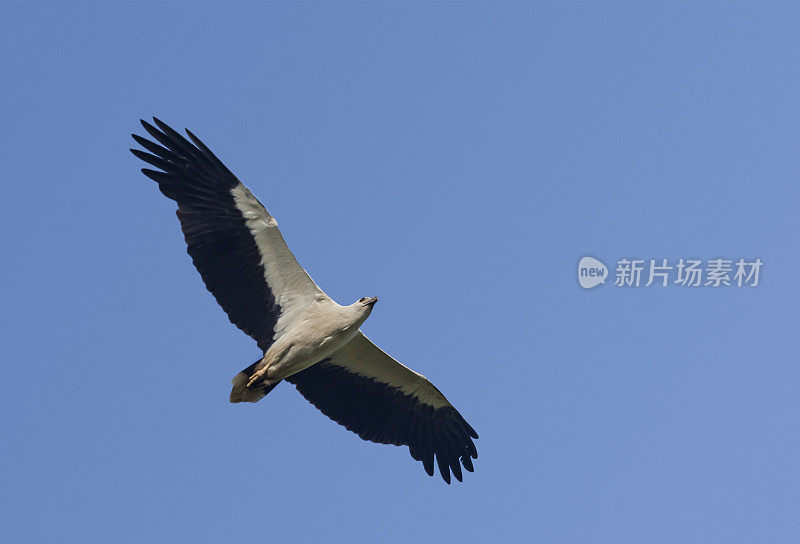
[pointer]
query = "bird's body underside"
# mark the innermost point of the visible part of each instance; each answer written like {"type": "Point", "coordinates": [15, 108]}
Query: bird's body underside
{"type": "Point", "coordinates": [306, 338]}
{"type": "Point", "coordinates": [321, 329]}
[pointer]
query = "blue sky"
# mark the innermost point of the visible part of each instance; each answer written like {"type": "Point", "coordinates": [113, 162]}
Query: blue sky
{"type": "Point", "coordinates": [457, 160]}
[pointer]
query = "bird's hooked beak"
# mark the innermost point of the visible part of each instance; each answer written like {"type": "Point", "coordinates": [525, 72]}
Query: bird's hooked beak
{"type": "Point", "coordinates": [370, 301]}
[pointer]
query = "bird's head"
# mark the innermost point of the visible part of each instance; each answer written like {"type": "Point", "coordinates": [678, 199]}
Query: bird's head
{"type": "Point", "coordinates": [368, 301]}
{"type": "Point", "coordinates": [363, 307]}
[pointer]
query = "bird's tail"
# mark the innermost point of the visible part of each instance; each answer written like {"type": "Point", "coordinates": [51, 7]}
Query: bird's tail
{"type": "Point", "coordinates": [240, 391]}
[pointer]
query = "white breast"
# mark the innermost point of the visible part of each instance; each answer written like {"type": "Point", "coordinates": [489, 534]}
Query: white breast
{"type": "Point", "coordinates": [322, 328]}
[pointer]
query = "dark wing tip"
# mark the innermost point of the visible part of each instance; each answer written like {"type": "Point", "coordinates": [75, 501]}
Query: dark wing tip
{"type": "Point", "coordinates": [444, 468]}
{"type": "Point", "coordinates": [427, 462]}
{"type": "Point", "coordinates": [158, 177]}
{"type": "Point", "coordinates": [195, 139]}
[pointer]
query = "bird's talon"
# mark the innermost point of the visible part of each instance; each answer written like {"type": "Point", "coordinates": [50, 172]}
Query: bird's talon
{"type": "Point", "coordinates": [255, 378]}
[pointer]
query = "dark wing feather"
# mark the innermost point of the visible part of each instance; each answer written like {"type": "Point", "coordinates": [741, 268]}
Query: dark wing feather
{"type": "Point", "coordinates": [374, 396]}
{"type": "Point", "coordinates": [221, 245]}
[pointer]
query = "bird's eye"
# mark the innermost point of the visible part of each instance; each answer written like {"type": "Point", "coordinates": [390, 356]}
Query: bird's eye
{"type": "Point", "coordinates": [362, 299]}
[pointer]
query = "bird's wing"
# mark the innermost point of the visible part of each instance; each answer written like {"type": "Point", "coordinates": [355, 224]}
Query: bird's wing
{"type": "Point", "coordinates": [376, 397]}
{"type": "Point", "coordinates": [232, 239]}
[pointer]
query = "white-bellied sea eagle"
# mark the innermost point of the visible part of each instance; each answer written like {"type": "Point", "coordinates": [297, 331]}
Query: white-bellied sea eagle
{"type": "Point", "coordinates": [307, 339]}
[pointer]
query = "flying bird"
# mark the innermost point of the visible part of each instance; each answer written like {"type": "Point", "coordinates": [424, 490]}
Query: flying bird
{"type": "Point", "coordinates": [307, 339]}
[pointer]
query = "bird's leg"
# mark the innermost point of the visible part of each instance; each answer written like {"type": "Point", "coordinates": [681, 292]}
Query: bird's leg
{"type": "Point", "coordinates": [257, 376]}
{"type": "Point", "coordinates": [268, 366]}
